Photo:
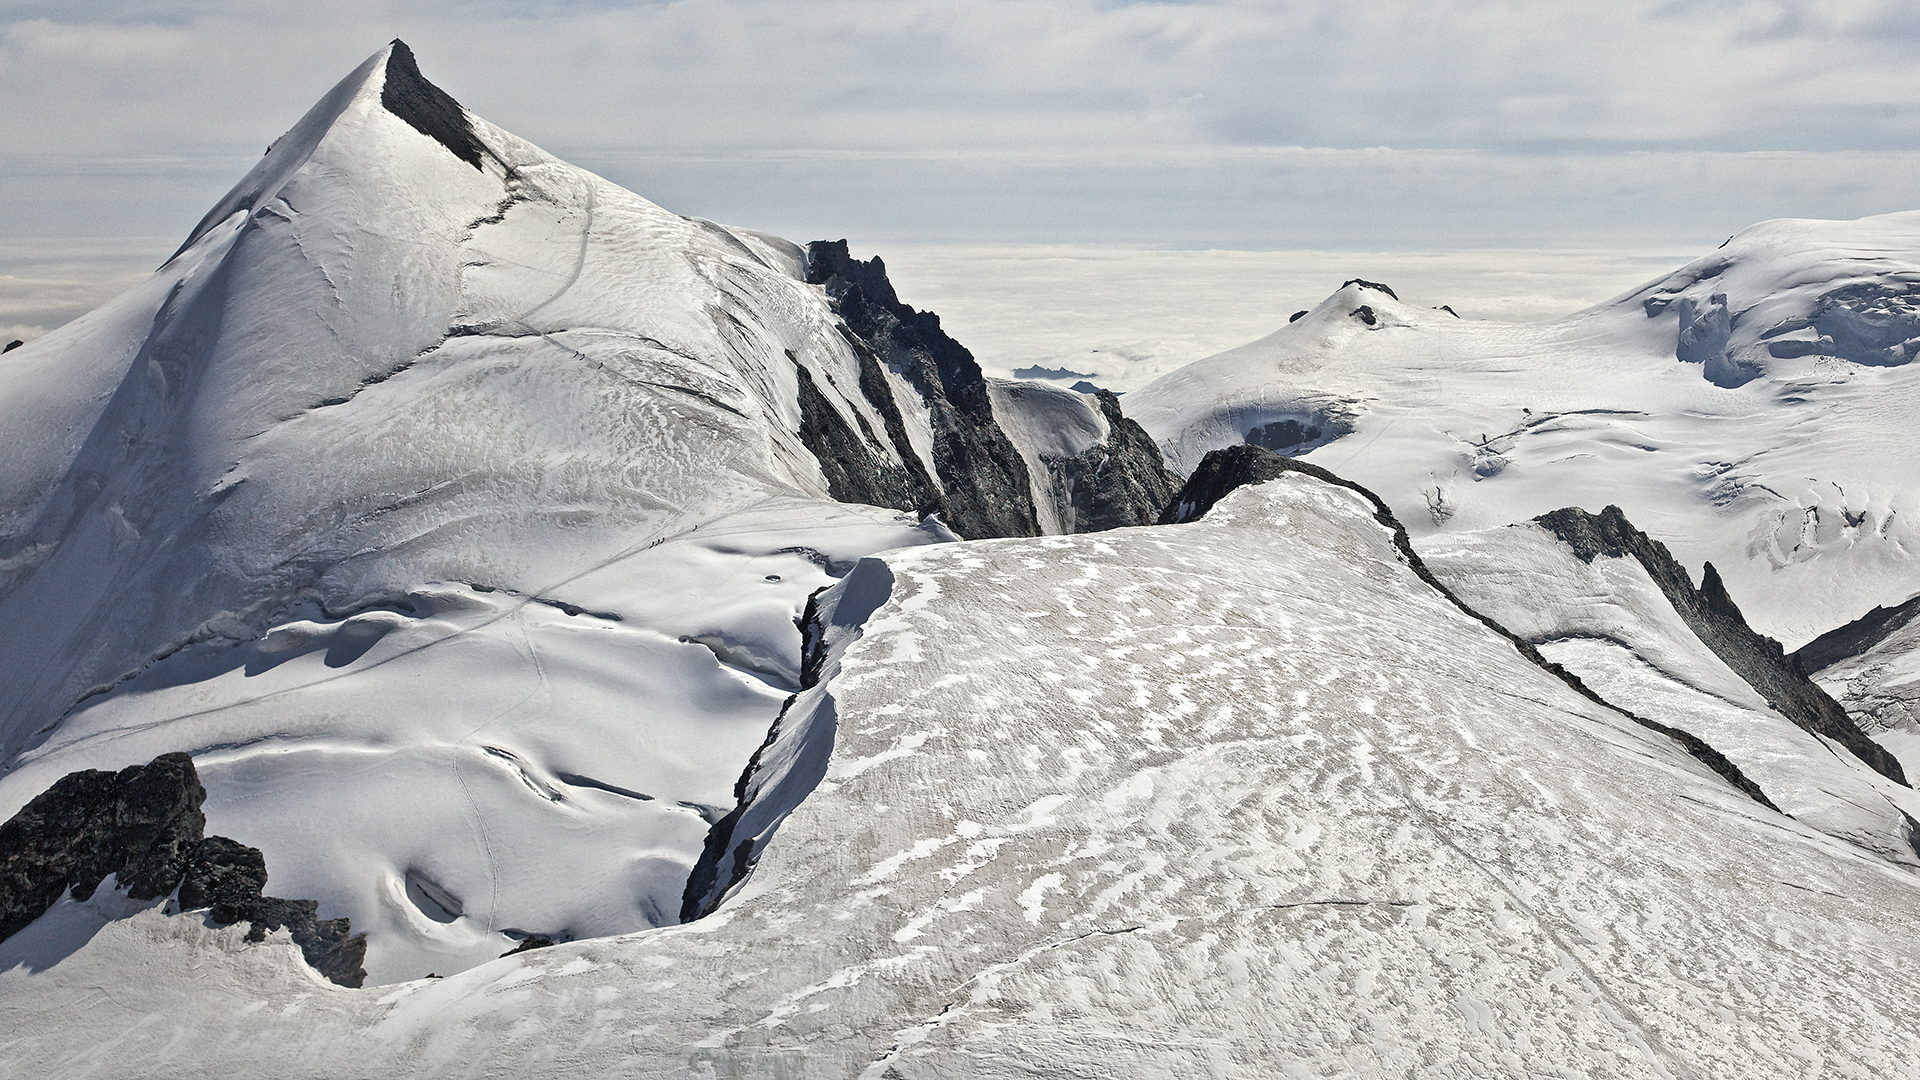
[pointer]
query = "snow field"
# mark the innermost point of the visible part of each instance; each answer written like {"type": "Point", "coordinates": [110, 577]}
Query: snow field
{"type": "Point", "coordinates": [1237, 797]}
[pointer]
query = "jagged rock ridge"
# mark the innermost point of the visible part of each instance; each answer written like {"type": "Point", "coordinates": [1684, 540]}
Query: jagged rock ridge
{"type": "Point", "coordinates": [1222, 471]}
{"type": "Point", "coordinates": [1710, 612]}
{"type": "Point", "coordinates": [426, 108]}
{"type": "Point", "coordinates": [144, 826]}
{"type": "Point", "coordinates": [986, 488]}
{"type": "Point", "coordinates": [1853, 638]}
{"type": "Point", "coordinates": [1122, 482]}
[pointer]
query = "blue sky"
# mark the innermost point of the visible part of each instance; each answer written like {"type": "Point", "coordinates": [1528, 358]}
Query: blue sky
{"type": "Point", "coordinates": [1384, 125]}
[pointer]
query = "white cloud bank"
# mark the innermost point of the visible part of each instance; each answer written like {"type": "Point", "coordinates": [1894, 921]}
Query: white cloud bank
{"type": "Point", "coordinates": [1227, 124]}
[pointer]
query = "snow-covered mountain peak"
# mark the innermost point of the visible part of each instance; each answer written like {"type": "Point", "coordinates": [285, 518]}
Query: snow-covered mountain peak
{"type": "Point", "coordinates": [1788, 465]}
{"type": "Point", "coordinates": [387, 86]}
{"type": "Point", "coordinates": [453, 495]}
{"type": "Point", "coordinates": [1787, 298]}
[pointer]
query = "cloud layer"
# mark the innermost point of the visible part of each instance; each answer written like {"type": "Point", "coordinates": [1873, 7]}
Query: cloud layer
{"type": "Point", "coordinates": [1235, 122]}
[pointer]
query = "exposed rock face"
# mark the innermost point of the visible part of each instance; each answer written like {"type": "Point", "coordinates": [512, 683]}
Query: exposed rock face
{"type": "Point", "coordinates": [139, 824]}
{"type": "Point", "coordinates": [1716, 620]}
{"type": "Point", "coordinates": [1221, 471]}
{"type": "Point", "coordinates": [1374, 285]}
{"type": "Point", "coordinates": [426, 108]}
{"type": "Point", "coordinates": [855, 472]}
{"type": "Point", "coordinates": [986, 490]}
{"type": "Point", "coordinates": [227, 878]}
{"type": "Point", "coordinates": [1856, 637]}
{"type": "Point", "coordinates": [144, 825]}
{"type": "Point", "coordinates": [1121, 482]}
{"type": "Point", "coordinates": [1283, 435]}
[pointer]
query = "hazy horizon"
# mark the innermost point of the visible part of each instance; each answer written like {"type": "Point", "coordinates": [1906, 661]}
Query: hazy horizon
{"type": "Point", "coordinates": [1314, 136]}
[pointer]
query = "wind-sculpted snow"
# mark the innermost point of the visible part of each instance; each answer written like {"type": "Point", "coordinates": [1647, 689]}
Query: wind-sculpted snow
{"type": "Point", "coordinates": [1790, 289]}
{"type": "Point", "coordinates": [465, 765]}
{"type": "Point", "coordinates": [1795, 480]}
{"type": "Point", "coordinates": [452, 507]}
{"type": "Point", "coordinates": [1606, 619]}
{"type": "Point", "coordinates": [1234, 798]}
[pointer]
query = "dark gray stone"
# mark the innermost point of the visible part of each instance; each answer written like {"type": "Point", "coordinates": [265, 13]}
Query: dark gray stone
{"type": "Point", "coordinates": [1374, 285]}
{"type": "Point", "coordinates": [985, 480]}
{"type": "Point", "coordinates": [1222, 471]}
{"type": "Point", "coordinates": [1856, 637]}
{"type": "Point", "coordinates": [1282, 435]}
{"type": "Point", "coordinates": [138, 824]}
{"type": "Point", "coordinates": [857, 470]}
{"type": "Point", "coordinates": [530, 943]}
{"type": "Point", "coordinates": [1122, 482]}
{"type": "Point", "coordinates": [1716, 620]}
{"type": "Point", "coordinates": [144, 825]}
{"type": "Point", "coordinates": [428, 109]}
{"type": "Point", "coordinates": [11, 345]}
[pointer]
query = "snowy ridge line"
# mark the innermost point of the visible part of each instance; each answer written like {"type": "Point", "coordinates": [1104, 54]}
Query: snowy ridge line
{"type": "Point", "coordinates": [1854, 638]}
{"type": "Point", "coordinates": [792, 760]}
{"type": "Point", "coordinates": [1222, 470]}
{"type": "Point", "coordinates": [1710, 612]}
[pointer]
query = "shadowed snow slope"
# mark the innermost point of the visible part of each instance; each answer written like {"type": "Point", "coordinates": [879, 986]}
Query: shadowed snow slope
{"type": "Point", "coordinates": [1233, 798]}
{"type": "Point", "coordinates": [1753, 409]}
{"type": "Point", "coordinates": [450, 505]}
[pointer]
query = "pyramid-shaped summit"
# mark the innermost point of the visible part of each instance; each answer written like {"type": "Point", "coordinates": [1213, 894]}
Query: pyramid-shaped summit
{"type": "Point", "coordinates": [340, 490]}
{"type": "Point", "coordinates": [566, 595]}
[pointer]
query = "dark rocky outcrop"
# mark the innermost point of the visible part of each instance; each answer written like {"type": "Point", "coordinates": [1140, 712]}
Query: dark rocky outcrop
{"type": "Point", "coordinates": [139, 824]}
{"type": "Point", "coordinates": [1374, 285]}
{"type": "Point", "coordinates": [856, 469]}
{"type": "Point", "coordinates": [1716, 620]}
{"type": "Point", "coordinates": [528, 944]}
{"type": "Point", "coordinates": [1856, 637]}
{"type": "Point", "coordinates": [144, 826]}
{"type": "Point", "coordinates": [985, 480]}
{"type": "Point", "coordinates": [11, 345]}
{"type": "Point", "coordinates": [227, 878]}
{"type": "Point", "coordinates": [1282, 435]}
{"type": "Point", "coordinates": [1222, 471]}
{"type": "Point", "coordinates": [1120, 482]}
{"type": "Point", "coordinates": [426, 108]}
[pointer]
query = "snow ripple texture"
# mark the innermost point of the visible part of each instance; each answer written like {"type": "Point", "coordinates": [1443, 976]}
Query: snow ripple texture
{"type": "Point", "coordinates": [1236, 798]}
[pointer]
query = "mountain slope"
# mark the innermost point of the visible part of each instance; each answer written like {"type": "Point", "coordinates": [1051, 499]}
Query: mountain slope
{"type": "Point", "coordinates": [1219, 799]}
{"type": "Point", "coordinates": [1794, 478]}
{"type": "Point", "coordinates": [447, 494]}
{"type": "Point", "coordinates": [452, 497]}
